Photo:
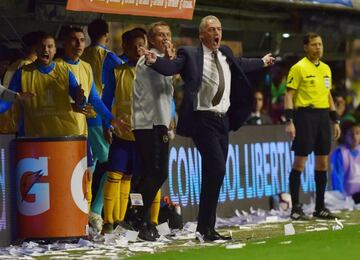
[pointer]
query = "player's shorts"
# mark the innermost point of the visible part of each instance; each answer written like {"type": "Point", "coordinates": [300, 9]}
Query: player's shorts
{"type": "Point", "coordinates": [313, 132]}
{"type": "Point", "coordinates": [90, 161]}
{"type": "Point", "coordinates": [123, 157]}
{"type": "Point", "coordinates": [99, 147]}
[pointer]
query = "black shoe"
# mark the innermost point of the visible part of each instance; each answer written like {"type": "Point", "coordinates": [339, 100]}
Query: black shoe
{"type": "Point", "coordinates": [212, 235]}
{"type": "Point", "coordinates": [221, 236]}
{"type": "Point", "coordinates": [144, 232]}
{"type": "Point", "coordinates": [153, 230]}
{"type": "Point", "coordinates": [298, 214]}
{"type": "Point", "coordinates": [324, 214]}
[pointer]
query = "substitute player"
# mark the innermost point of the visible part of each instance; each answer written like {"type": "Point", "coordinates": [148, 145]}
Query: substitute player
{"type": "Point", "coordinates": [123, 160]}
{"type": "Point", "coordinates": [10, 118]}
{"type": "Point", "coordinates": [102, 61]}
{"type": "Point", "coordinates": [74, 44]}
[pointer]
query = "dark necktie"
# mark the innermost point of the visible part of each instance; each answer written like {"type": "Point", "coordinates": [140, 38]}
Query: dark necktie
{"type": "Point", "coordinates": [221, 87]}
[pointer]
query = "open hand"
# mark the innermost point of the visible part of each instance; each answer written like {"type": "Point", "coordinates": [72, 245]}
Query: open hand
{"type": "Point", "coordinates": [170, 52]}
{"type": "Point", "coordinates": [337, 131]}
{"type": "Point", "coordinates": [121, 125]}
{"type": "Point", "coordinates": [290, 130]}
{"type": "Point", "coordinates": [150, 57]}
{"type": "Point", "coordinates": [268, 60]}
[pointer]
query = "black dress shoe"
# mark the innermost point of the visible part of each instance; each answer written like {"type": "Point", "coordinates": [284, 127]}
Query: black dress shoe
{"type": "Point", "coordinates": [222, 237]}
{"type": "Point", "coordinates": [143, 228]}
{"type": "Point", "coordinates": [153, 230]}
{"type": "Point", "coordinates": [212, 235]}
{"type": "Point", "coordinates": [145, 233]}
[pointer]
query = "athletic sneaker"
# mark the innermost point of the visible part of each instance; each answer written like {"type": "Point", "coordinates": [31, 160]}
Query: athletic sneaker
{"type": "Point", "coordinates": [298, 214]}
{"type": "Point", "coordinates": [107, 228]}
{"type": "Point", "coordinates": [324, 214]}
{"type": "Point", "coordinates": [95, 221]}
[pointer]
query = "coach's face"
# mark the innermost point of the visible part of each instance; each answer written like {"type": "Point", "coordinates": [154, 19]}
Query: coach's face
{"type": "Point", "coordinates": [314, 49]}
{"type": "Point", "coordinates": [211, 34]}
{"type": "Point", "coordinates": [161, 39]}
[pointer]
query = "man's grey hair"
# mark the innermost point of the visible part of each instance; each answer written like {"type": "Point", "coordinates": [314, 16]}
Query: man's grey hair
{"type": "Point", "coordinates": [204, 21]}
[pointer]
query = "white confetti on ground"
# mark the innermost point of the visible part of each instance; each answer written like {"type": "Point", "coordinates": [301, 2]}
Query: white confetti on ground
{"type": "Point", "coordinates": [116, 245]}
{"type": "Point", "coordinates": [235, 246]}
{"type": "Point", "coordinates": [259, 243]}
{"type": "Point", "coordinates": [286, 242]}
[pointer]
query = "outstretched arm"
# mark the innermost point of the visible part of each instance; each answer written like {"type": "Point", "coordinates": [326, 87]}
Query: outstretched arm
{"type": "Point", "coordinates": [165, 66]}
{"type": "Point", "coordinates": [108, 119]}
{"type": "Point", "coordinates": [251, 64]}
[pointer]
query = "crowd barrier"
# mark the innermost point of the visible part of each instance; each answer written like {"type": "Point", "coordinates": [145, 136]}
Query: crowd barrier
{"type": "Point", "coordinates": [258, 166]}
{"type": "Point", "coordinates": [50, 180]}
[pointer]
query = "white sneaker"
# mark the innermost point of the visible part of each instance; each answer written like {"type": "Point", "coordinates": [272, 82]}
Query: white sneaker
{"type": "Point", "coordinates": [95, 221]}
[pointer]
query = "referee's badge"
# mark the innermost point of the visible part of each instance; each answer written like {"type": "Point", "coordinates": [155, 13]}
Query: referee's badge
{"type": "Point", "coordinates": [327, 82]}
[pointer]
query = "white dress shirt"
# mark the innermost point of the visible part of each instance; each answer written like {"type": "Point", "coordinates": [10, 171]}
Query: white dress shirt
{"type": "Point", "coordinates": [210, 83]}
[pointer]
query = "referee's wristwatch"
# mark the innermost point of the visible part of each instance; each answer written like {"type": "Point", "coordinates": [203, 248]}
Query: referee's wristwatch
{"type": "Point", "coordinates": [336, 121]}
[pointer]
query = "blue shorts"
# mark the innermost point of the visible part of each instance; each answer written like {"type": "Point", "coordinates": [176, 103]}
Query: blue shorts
{"type": "Point", "coordinates": [123, 157]}
{"type": "Point", "coordinates": [90, 161]}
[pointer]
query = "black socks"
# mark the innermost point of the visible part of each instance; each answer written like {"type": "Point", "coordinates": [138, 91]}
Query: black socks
{"type": "Point", "coordinates": [294, 181]}
{"type": "Point", "coordinates": [320, 182]}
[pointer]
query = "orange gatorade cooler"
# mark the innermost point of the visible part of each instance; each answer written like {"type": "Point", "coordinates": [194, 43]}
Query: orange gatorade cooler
{"type": "Point", "coordinates": [50, 187]}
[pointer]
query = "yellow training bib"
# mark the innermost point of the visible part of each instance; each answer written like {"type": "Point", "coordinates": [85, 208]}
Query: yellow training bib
{"type": "Point", "coordinates": [124, 77]}
{"type": "Point", "coordinates": [83, 74]}
{"type": "Point", "coordinates": [9, 120]}
{"type": "Point", "coordinates": [95, 56]}
{"type": "Point", "coordinates": [49, 113]}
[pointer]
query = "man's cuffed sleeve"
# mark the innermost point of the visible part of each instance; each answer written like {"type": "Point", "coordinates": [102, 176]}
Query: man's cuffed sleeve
{"type": "Point", "coordinates": [15, 86]}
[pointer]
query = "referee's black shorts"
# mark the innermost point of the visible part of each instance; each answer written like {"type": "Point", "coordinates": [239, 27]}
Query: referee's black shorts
{"type": "Point", "coordinates": [313, 132]}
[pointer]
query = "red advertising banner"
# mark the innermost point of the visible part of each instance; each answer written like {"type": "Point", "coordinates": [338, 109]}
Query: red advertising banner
{"type": "Point", "coordinates": [181, 9]}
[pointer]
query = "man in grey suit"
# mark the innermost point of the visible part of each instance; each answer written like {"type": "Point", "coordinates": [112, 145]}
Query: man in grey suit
{"type": "Point", "coordinates": [217, 99]}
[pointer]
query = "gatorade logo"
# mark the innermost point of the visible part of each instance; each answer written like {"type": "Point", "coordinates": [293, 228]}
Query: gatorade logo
{"type": "Point", "coordinates": [33, 192]}
{"type": "Point", "coordinates": [32, 189]}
